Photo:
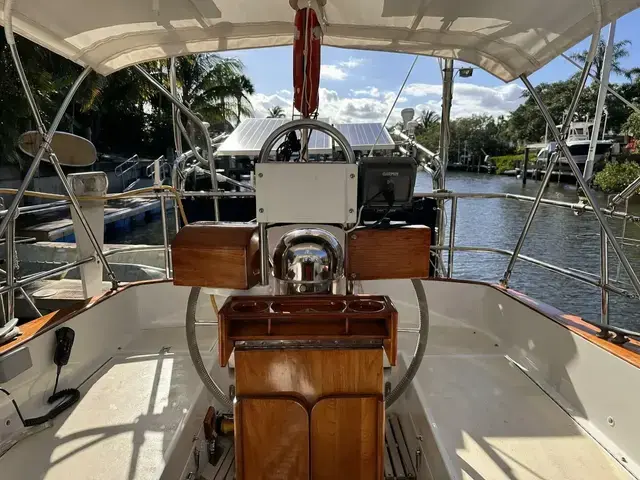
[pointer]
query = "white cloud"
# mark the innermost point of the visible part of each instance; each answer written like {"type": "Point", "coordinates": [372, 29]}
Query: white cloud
{"type": "Point", "coordinates": [422, 89]}
{"type": "Point", "coordinates": [369, 91]}
{"type": "Point", "coordinates": [262, 103]}
{"type": "Point", "coordinates": [469, 99]}
{"type": "Point", "coordinates": [372, 105]}
{"type": "Point", "coordinates": [339, 71]}
{"type": "Point", "coordinates": [332, 72]}
{"type": "Point", "coordinates": [352, 62]}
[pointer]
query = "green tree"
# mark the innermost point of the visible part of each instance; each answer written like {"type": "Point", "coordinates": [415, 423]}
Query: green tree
{"type": "Point", "coordinates": [275, 112]}
{"type": "Point", "coordinates": [221, 91]}
{"type": "Point", "coordinates": [632, 125]}
{"type": "Point", "coordinates": [205, 86]}
{"type": "Point", "coordinates": [478, 135]}
{"type": "Point", "coordinates": [429, 136]}
{"type": "Point", "coordinates": [15, 114]}
{"type": "Point", "coordinates": [526, 123]}
{"type": "Point", "coordinates": [616, 176]}
{"type": "Point", "coordinates": [122, 112]}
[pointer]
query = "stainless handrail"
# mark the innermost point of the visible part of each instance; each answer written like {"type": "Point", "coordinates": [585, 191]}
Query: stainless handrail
{"type": "Point", "coordinates": [597, 280]}
{"type": "Point", "coordinates": [40, 208]}
{"type": "Point", "coordinates": [576, 207]}
{"type": "Point", "coordinates": [626, 193]}
{"type": "Point", "coordinates": [119, 168]}
{"type": "Point", "coordinates": [568, 272]}
{"type": "Point", "coordinates": [49, 273]}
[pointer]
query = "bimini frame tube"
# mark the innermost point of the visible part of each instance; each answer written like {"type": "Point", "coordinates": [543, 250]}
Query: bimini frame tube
{"type": "Point", "coordinates": [194, 118]}
{"type": "Point", "coordinates": [174, 110]}
{"type": "Point", "coordinates": [554, 157]}
{"type": "Point", "coordinates": [8, 222]}
{"type": "Point", "coordinates": [45, 146]}
{"type": "Point", "coordinates": [602, 96]}
{"type": "Point", "coordinates": [177, 138]}
{"type": "Point", "coordinates": [583, 184]}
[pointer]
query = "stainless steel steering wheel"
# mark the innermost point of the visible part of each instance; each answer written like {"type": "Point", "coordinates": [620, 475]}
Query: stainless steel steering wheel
{"type": "Point", "coordinates": [294, 125]}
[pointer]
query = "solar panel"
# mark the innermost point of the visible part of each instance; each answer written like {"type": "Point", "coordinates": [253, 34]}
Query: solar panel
{"type": "Point", "coordinates": [319, 142]}
{"type": "Point", "coordinates": [362, 136]}
{"type": "Point", "coordinates": [249, 137]}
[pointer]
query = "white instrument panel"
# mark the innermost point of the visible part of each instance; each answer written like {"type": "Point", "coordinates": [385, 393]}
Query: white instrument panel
{"type": "Point", "coordinates": [307, 192]}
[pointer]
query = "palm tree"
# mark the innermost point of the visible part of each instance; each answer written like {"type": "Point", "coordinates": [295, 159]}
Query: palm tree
{"type": "Point", "coordinates": [214, 87]}
{"type": "Point", "coordinates": [241, 88]}
{"type": "Point", "coordinates": [276, 112]}
{"type": "Point", "coordinates": [634, 73]}
{"type": "Point", "coordinates": [204, 83]}
{"type": "Point", "coordinates": [428, 118]}
{"type": "Point", "coordinates": [620, 51]}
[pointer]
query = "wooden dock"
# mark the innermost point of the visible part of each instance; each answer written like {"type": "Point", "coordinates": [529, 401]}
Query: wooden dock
{"type": "Point", "coordinates": [58, 226]}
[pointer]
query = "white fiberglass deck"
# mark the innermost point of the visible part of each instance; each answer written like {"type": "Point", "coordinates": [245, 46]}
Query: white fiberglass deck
{"type": "Point", "coordinates": [479, 414]}
{"type": "Point", "coordinates": [129, 419]}
{"type": "Point", "coordinates": [491, 421]}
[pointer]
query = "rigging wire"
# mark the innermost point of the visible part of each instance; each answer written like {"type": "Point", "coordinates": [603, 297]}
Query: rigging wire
{"type": "Point", "coordinates": [393, 105]}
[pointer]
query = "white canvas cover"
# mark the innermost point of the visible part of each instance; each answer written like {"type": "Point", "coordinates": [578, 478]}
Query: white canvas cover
{"type": "Point", "coordinates": [504, 37]}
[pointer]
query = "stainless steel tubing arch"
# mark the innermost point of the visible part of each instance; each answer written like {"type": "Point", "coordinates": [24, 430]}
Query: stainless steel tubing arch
{"type": "Point", "coordinates": [452, 235]}
{"type": "Point", "coordinates": [604, 278]}
{"type": "Point", "coordinates": [583, 184]}
{"type": "Point", "coordinates": [11, 267]}
{"type": "Point", "coordinates": [46, 145]}
{"type": "Point", "coordinates": [554, 157]}
{"type": "Point", "coordinates": [174, 110]}
{"type": "Point", "coordinates": [176, 135]}
{"type": "Point", "coordinates": [11, 41]}
{"type": "Point", "coordinates": [194, 118]}
{"type": "Point", "coordinates": [33, 168]}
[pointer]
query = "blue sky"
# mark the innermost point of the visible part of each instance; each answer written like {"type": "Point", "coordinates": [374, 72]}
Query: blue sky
{"type": "Point", "coordinates": [361, 85]}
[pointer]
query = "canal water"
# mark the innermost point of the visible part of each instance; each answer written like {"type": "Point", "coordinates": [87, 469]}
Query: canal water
{"type": "Point", "coordinates": [557, 236]}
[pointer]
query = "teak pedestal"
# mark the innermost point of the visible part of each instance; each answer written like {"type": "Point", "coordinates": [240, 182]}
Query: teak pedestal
{"type": "Point", "coordinates": [309, 384]}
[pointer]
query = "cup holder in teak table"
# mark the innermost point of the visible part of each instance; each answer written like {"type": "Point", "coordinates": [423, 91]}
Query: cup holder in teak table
{"type": "Point", "coordinates": [313, 317]}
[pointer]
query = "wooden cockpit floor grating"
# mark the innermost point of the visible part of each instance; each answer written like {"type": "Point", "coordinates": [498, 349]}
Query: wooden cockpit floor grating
{"type": "Point", "coordinates": [225, 467]}
{"type": "Point", "coordinates": [398, 461]}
